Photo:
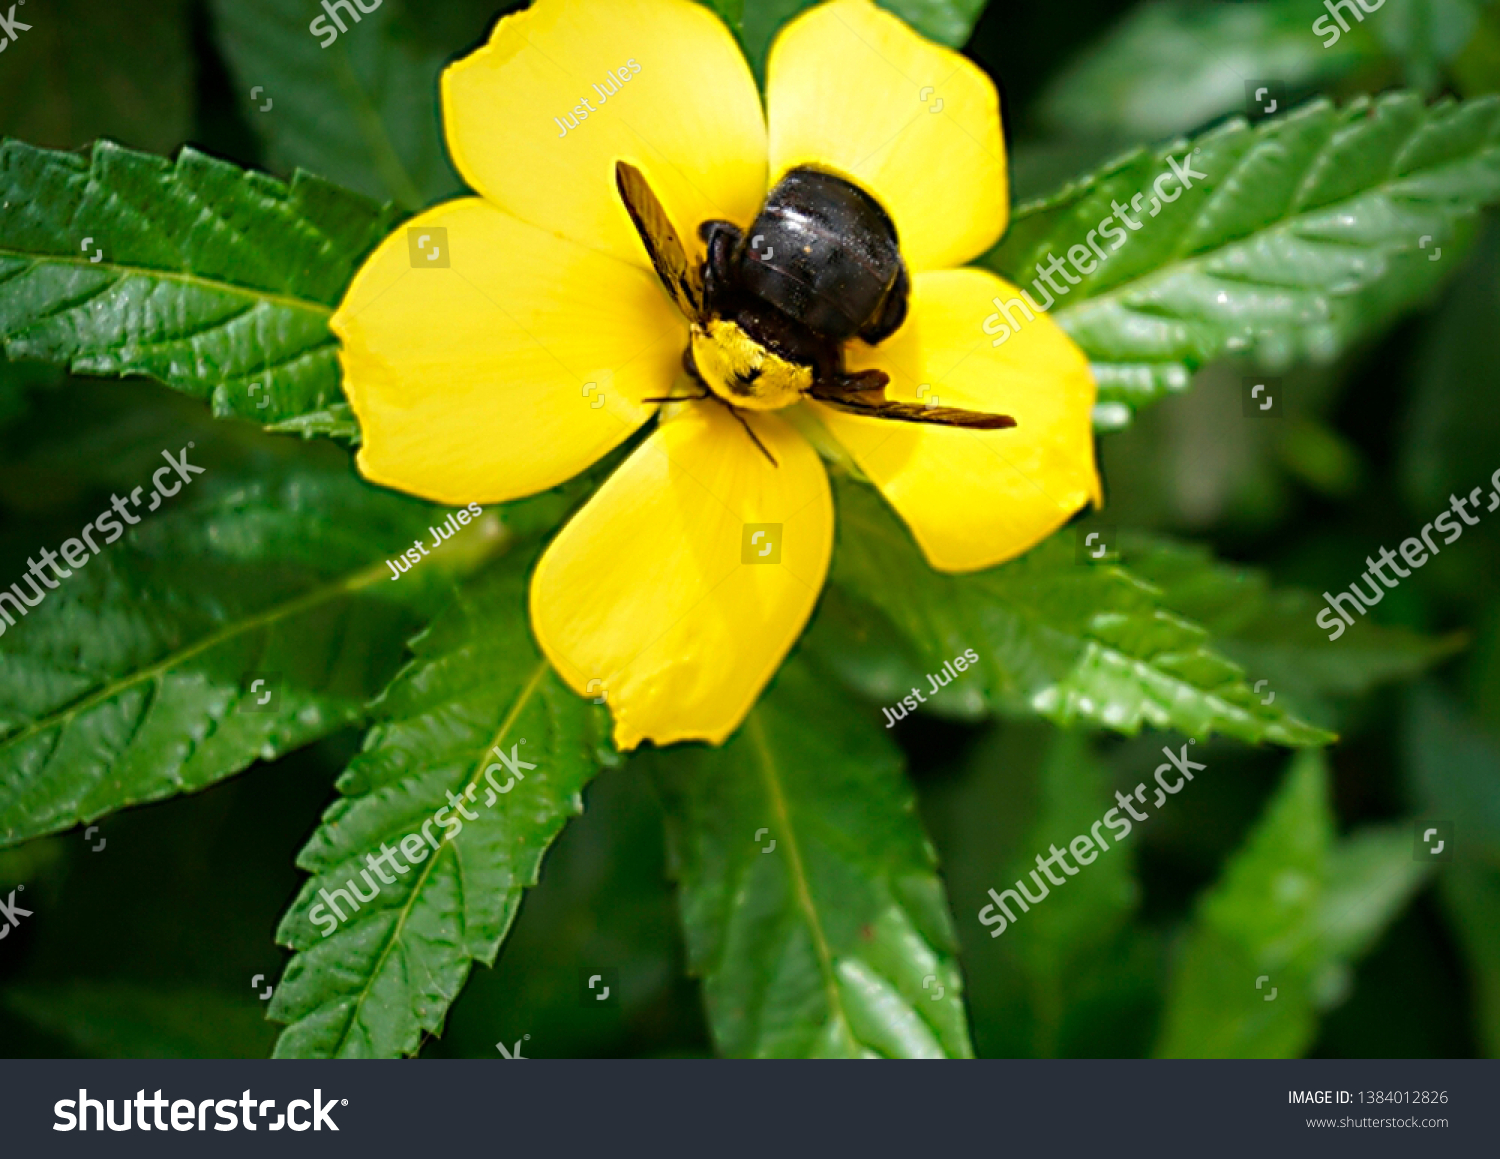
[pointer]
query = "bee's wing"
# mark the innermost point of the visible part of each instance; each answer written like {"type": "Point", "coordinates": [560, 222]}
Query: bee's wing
{"type": "Point", "coordinates": [678, 272]}
{"type": "Point", "coordinates": [864, 394]}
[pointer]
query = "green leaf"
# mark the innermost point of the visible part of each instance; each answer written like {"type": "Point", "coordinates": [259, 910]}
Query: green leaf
{"type": "Point", "coordinates": [362, 111]}
{"type": "Point", "coordinates": [1167, 67]}
{"type": "Point", "coordinates": [1477, 68]}
{"type": "Point", "coordinates": [945, 21]}
{"type": "Point", "coordinates": [121, 1020]}
{"type": "Point", "coordinates": [1451, 430]}
{"type": "Point", "coordinates": [130, 682]}
{"type": "Point", "coordinates": [1305, 236]}
{"type": "Point", "coordinates": [337, 421]}
{"type": "Point", "coordinates": [1035, 988]}
{"type": "Point", "coordinates": [1453, 768]}
{"type": "Point", "coordinates": [732, 12]}
{"type": "Point", "coordinates": [1427, 35]}
{"type": "Point", "coordinates": [213, 280]}
{"type": "Point", "coordinates": [1471, 895]}
{"type": "Point", "coordinates": [609, 864]}
{"type": "Point", "coordinates": [1274, 634]}
{"type": "Point", "coordinates": [374, 984]}
{"type": "Point", "coordinates": [857, 644]}
{"type": "Point", "coordinates": [836, 942]}
{"type": "Point", "coordinates": [1271, 942]}
{"type": "Point", "coordinates": [1070, 641]}
{"type": "Point", "coordinates": [86, 70]}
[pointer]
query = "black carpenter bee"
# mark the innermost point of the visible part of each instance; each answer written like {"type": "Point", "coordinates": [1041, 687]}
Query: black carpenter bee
{"type": "Point", "coordinates": [770, 310]}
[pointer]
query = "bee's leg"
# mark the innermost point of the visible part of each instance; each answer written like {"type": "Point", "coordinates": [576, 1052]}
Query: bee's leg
{"type": "Point", "coordinates": [722, 239]}
{"type": "Point", "coordinates": [828, 361]}
{"type": "Point", "coordinates": [892, 310]}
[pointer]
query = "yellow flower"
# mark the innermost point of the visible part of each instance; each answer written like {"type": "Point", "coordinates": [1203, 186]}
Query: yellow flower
{"type": "Point", "coordinates": [520, 343]}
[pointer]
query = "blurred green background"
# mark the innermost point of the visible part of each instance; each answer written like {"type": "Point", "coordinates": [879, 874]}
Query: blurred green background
{"type": "Point", "coordinates": [148, 947]}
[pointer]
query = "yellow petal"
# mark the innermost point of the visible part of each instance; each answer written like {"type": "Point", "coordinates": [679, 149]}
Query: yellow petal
{"type": "Point", "coordinates": [852, 88]}
{"type": "Point", "coordinates": [661, 595]}
{"type": "Point", "coordinates": [688, 116]}
{"type": "Point", "coordinates": [471, 372]}
{"type": "Point", "coordinates": [976, 498]}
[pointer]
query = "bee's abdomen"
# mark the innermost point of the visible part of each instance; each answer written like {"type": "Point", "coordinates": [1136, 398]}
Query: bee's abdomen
{"type": "Point", "coordinates": [823, 252]}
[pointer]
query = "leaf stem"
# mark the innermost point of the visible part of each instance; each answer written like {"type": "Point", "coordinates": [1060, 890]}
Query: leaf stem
{"type": "Point", "coordinates": [771, 777]}
{"type": "Point", "coordinates": [528, 690]}
{"type": "Point", "coordinates": [197, 281]}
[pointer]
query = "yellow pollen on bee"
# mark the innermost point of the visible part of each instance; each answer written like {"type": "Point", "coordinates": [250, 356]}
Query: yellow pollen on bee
{"type": "Point", "coordinates": [740, 370]}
